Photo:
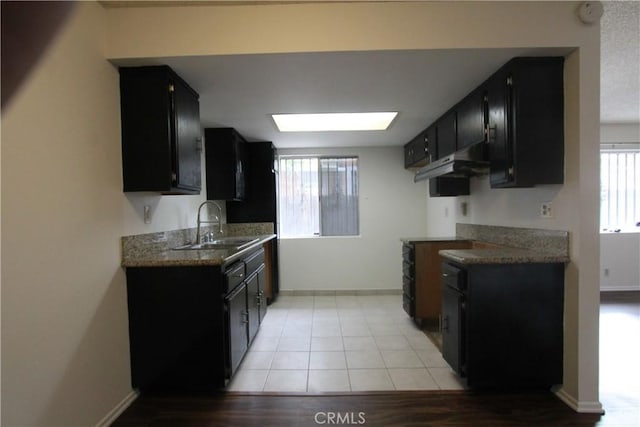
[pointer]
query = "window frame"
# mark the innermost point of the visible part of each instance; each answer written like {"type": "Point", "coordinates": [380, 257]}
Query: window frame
{"type": "Point", "coordinates": [619, 148]}
{"type": "Point", "coordinates": [318, 158]}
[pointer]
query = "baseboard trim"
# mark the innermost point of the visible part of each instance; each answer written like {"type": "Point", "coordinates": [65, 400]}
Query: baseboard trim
{"type": "Point", "coordinates": [578, 406]}
{"type": "Point", "coordinates": [339, 292]}
{"type": "Point", "coordinates": [113, 414]}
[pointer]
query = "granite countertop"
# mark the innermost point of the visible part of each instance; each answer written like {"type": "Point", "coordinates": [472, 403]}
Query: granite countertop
{"type": "Point", "coordinates": [156, 249]}
{"type": "Point", "coordinates": [502, 255]}
{"type": "Point", "coordinates": [504, 245]}
{"type": "Point", "coordinates": [168, 257]}
{"type": "Point", "coordinates": [431, 239]}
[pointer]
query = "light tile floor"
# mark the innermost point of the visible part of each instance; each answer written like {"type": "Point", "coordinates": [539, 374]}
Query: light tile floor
{"type": "Point", "coordinates": [321, 344]}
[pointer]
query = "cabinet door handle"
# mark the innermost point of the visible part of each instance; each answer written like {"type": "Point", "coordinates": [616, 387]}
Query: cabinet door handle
{"type": "Point", "coordinates": [446, 275]}
{"type": "Point", "coordinates": [445, 323]}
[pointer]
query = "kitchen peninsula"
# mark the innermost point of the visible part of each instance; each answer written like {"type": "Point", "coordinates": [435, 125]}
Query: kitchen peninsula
{"type": "Point", "coordinates": [501, 303]}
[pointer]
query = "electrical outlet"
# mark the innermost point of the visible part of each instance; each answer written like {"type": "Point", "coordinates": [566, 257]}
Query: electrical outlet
{"type": "Point", "coordinates": [606, 272]}
{"type": "Point", "coordinates": [545, 210]}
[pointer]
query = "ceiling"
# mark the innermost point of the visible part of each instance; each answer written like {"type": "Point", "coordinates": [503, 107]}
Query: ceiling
{"type": "Point", "coordinates": [241, 91]}
{"type": "Point", "coordinates": [620, 62]}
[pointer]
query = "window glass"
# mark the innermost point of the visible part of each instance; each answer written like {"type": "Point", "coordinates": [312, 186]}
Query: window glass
{"type": "Point", "coordinates": [620, 190]}
{"type": "Point", "coordinates": [318, 196]}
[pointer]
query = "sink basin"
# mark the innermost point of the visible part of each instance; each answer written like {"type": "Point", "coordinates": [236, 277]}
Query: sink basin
{"type": "Point", "coordinates": [221, 243]}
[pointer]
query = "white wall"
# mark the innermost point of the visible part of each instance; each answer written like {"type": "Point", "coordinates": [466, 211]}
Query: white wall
{"type": "Point", "coordinates": [391, 207]}
{"type": "Point", "coordinates": [621, 258]}
{"type": "Point", "coordinates": [620, 133]}
{"type": "Point", "coordinates": [65, 350]}
{"type": "Point", "coordinates": [620, 252]}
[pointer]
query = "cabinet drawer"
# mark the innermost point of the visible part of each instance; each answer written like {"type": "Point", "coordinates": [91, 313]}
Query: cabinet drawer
{"type": "Point", "coordinates": [254, 261]}
{"type": "Point", "coordinates": [408, 269]}
{"type": "Point", "coordinates": [408, 285]}
{"type": "Point", "coordinates": [233, 276]}
{"type": "Point", "coordinates": [454, 277]}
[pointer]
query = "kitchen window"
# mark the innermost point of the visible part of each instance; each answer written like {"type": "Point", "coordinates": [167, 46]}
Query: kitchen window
{"type": "Point", "coordinates": [318, 196]}
{"type": "Point", "coordinates": [620, 188]}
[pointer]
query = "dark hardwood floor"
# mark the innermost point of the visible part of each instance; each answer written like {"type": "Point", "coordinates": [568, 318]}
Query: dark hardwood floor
{"type": "Point", "coordinates": [620, 319]}
{"type": "Point", "coordinates": [400, 408]}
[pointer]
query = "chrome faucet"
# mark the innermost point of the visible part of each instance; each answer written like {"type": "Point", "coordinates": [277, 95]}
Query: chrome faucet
{"type": "Point", "coordinates": [218, 219]}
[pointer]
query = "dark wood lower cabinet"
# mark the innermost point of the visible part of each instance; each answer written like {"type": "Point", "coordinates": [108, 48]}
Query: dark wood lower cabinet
{"type": "Point", "coordinates": [422, 290]}
{"type": "Point", "coordinates": [503, 326]}
{"type": "Point", "coordinates": [190, 327]}
{"type": "Point", "coordinates": [237, 318]}
{"type": "Point", "coordinates": [176, 330]}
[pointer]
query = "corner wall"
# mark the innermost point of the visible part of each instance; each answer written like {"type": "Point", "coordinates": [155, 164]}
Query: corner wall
{"type": "Point", "coordinates": [65, 350]}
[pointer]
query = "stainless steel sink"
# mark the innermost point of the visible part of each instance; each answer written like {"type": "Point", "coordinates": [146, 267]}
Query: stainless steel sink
{"type": "Point", "coordinates": [220, 243]}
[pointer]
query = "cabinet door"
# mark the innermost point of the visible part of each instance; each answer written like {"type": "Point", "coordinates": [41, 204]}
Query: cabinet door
{"type": "Point", "coordinates": [471, 119]}
{"type": "Point", "coordinates": [240, 159]}
{"type": "Point", "coordinates": [452, 332]}
{"type": "Point", "coordinates": [225, 159]}
{"type": "Point", "coordinates": [237, 319]}
{"type": "Point", "coordinates": [259, 204]}
{"type": "Point", "coordinates": [409, 149]}
{"type": "Point", "coordinates": [253, 305]}
{"type": "Point", "coordinates": [262, 295]}
{"type": "Point", "coordinates": [500, 135]}
{"type": "Point", "coordinates": [145, 125]}
{"type": "Point", "coordinates": [160, 124]}
{"type": "Point", "coordinates": [188, 142]}
{"type": "Point", "coordinates": [446, 129]}
{"type": "Point", "coordinates": [432, 143]}
{"type": "Point", "coordinates": [416, 152]}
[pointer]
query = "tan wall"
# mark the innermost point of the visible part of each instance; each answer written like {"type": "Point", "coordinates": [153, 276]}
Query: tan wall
{"type": "Point", "coordinates": [65, 350]}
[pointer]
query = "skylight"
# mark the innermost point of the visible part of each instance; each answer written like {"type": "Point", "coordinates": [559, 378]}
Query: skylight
{"type": "Point", "coordinates": [333, 121]}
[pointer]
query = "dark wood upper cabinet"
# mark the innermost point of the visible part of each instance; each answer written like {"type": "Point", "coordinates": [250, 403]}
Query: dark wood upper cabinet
{"type": "Point", "coordinates": [446, 134]}
{"type": "Point", "coordinates": [416, 152]}
{"type": "Point", "coordinates": [449, 187]}
{"type": "Point", "coordinates": [161, 135]}
{"type": "Point", "coordinates": [499, 136]}
{"type": "Point", "coordinates": [471, 119]}
{"type": "Point", "coordinates": [260, 203]}
{"type": "Point", "coordinates": [526, 123]}
{"type": "Point", "coordinates": [226, 163]}
{"type": "Point", "coordinates": [515, 120]}
{"type": "Point", "coordinates": [431, 137]}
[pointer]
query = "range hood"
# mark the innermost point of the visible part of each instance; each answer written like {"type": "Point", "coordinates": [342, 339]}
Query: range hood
{"type": "Point", "coordinates": [470, 161]}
